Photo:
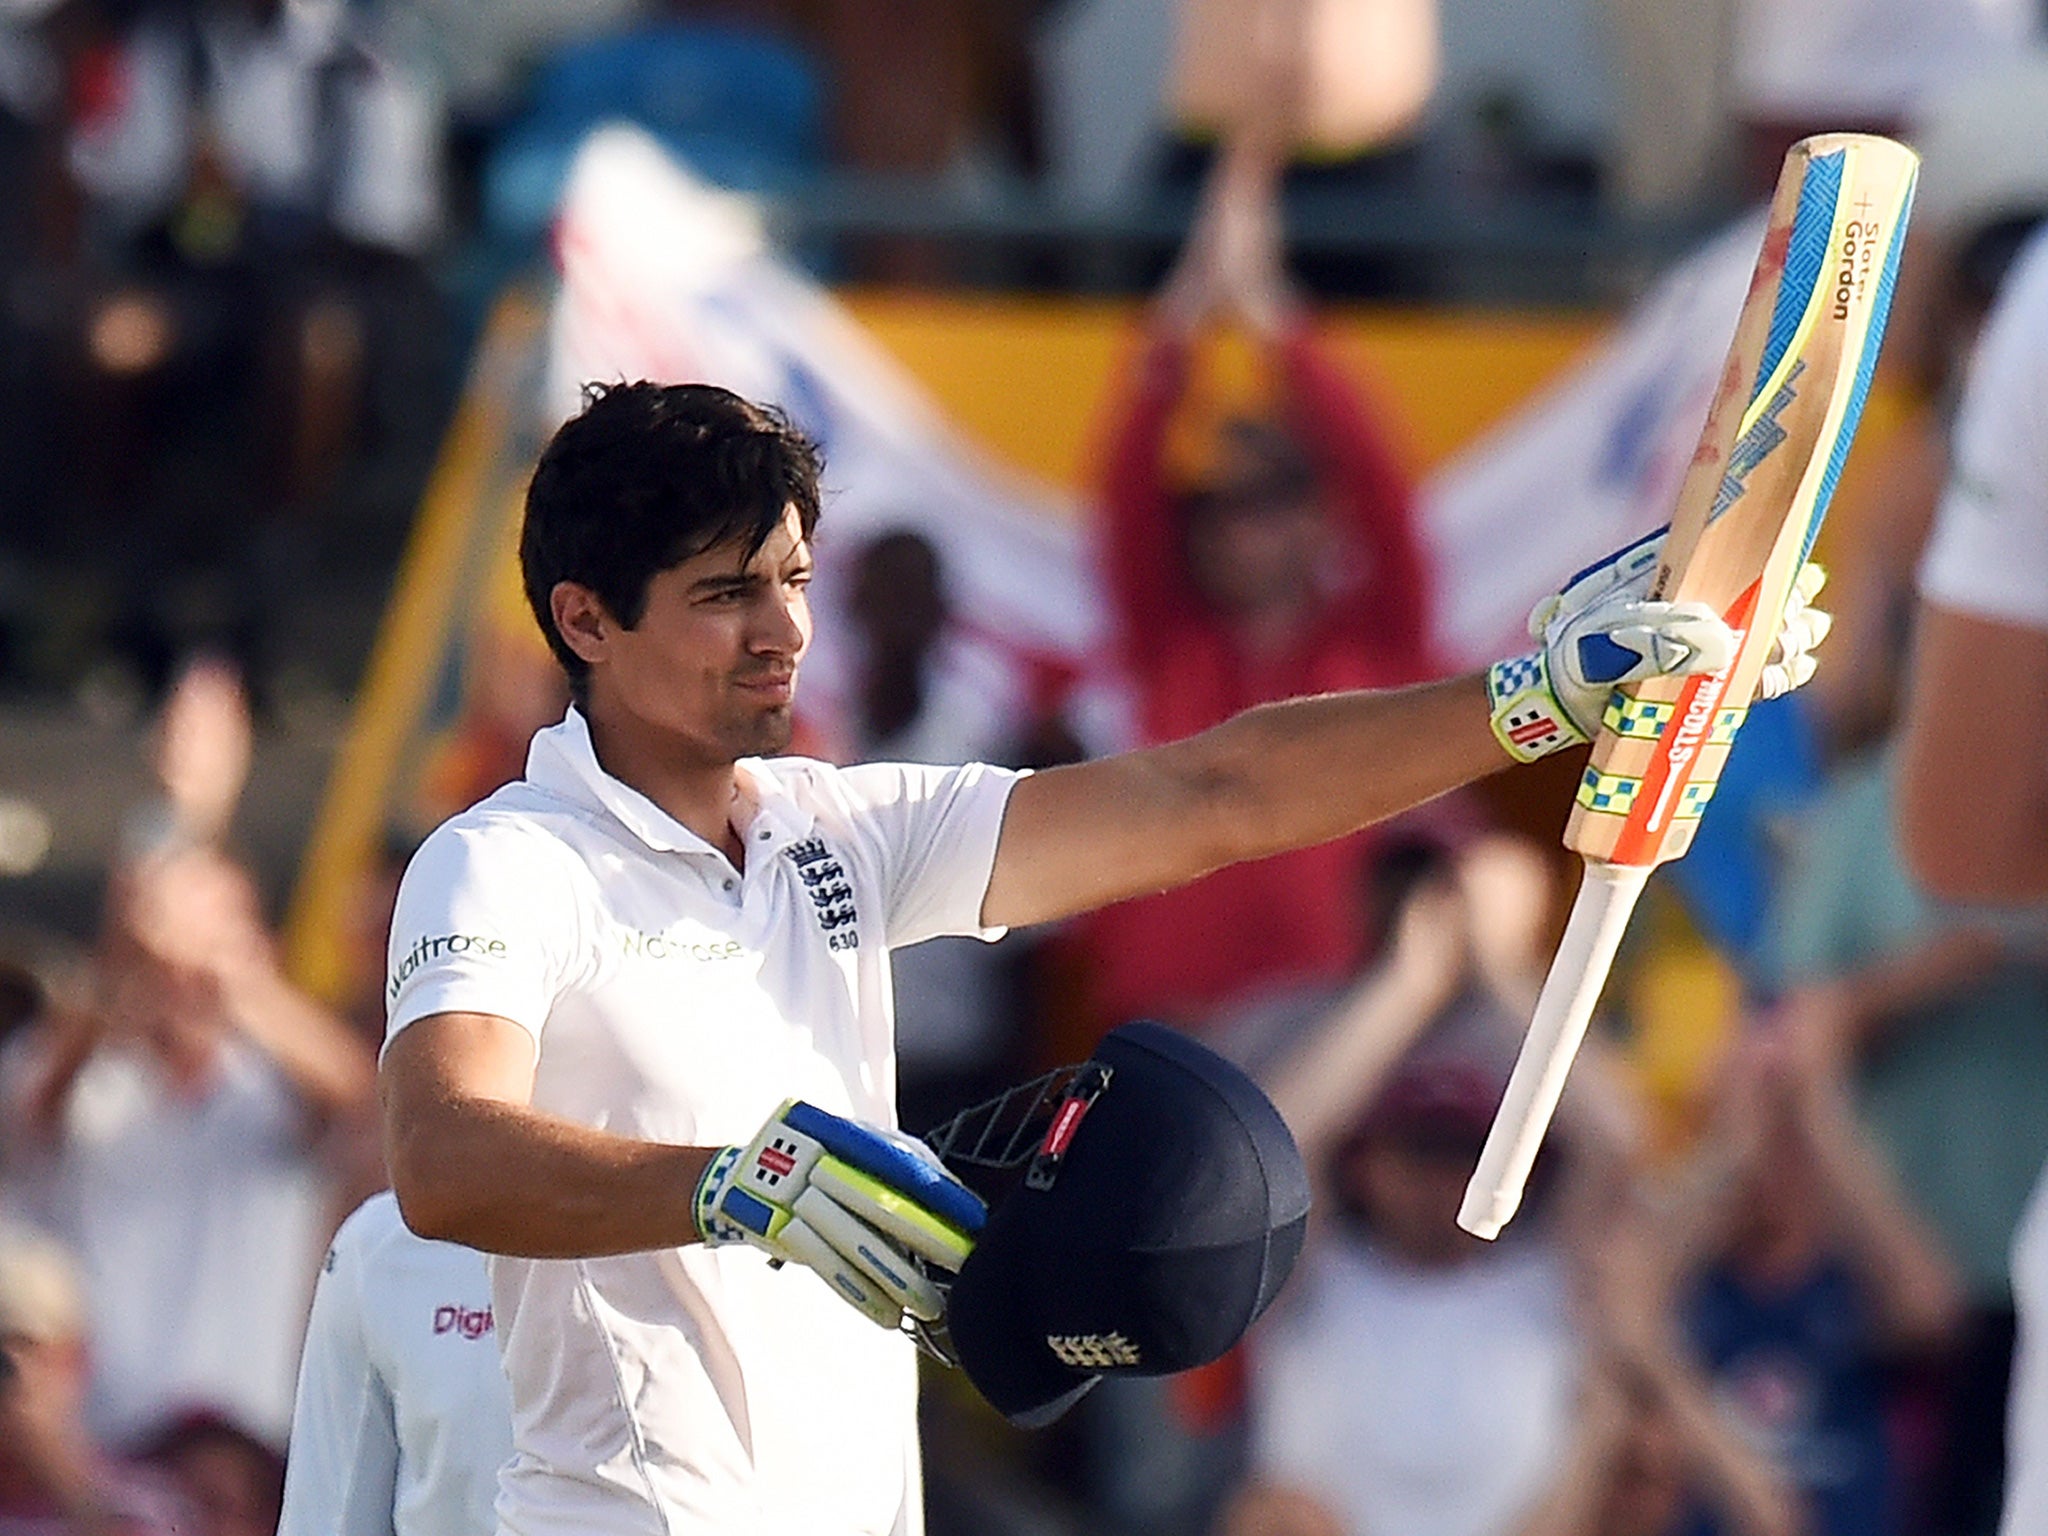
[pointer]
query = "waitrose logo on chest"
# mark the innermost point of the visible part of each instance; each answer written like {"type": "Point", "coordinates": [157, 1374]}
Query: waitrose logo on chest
{"type": "Point", "coordinates": [425, 949]}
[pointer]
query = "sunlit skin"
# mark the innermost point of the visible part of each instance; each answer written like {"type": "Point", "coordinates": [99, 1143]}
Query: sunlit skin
{"type": "Point", "coordinates": [707, 676]}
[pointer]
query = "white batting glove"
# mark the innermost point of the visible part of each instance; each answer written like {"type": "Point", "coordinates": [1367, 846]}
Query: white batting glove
{"type": "Point", "coordinates": [1602, 631]}
{"type": "Point", "coordinates": [852, 1202]}
{"type": "Point", "coordinates": [1791, 662]}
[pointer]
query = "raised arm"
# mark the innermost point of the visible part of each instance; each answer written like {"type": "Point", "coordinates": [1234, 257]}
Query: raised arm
{"type": "Point", "coordinates": [1917, 1294]}
{"type": "Point", "coordinates": [1328, 411]}
{"type": "Point", "coordinates": [1305, 771]}
{"type": "Point", "coordinates": [1368, 493]}
{"type": "Point", "coordinates": [1337, 1073]}
{"type": "Point", "coordinates": [190, 918]}
{"type": "Point", "coordinates": [1277, 777]}
{"type": "Point", "coordinates": [1139, 549]}
{"type": "Point", "coordinates": [1140, 545]}
{"type": "Point", "coordinates": [1641, 1382]}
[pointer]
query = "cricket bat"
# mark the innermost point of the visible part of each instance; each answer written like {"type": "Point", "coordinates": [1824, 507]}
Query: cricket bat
{"type": "Point", "coordinates": [1747, 513]}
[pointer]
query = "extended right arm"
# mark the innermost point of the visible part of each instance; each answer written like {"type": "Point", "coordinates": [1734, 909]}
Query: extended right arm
{"type": "Point", "coordinates": [473, 1162]}
{"type": "Point", "coordinates": [342, 1478]}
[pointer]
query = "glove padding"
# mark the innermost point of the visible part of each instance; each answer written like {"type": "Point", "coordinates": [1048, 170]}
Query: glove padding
{"type": "Point", "coordinates": [1791, 662]}
{"type": "Point", "coordinates": [1601, 631]}
{"type": "Point", "coordinates": [850, 1201]}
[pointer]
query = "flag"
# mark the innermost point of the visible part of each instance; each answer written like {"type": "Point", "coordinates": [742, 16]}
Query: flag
{"type": "Point", "coordinates": [667, 278]}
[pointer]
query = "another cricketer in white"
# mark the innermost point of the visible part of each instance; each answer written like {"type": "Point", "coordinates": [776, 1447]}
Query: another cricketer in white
{"type": "Point", "coordinates": [1974, 788]}
{"type": "Point", "coordinates": [402, 1419]}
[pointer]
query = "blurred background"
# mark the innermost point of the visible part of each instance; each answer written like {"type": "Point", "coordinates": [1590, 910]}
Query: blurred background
{"type": "Point", "coordinates": [1168, 356]}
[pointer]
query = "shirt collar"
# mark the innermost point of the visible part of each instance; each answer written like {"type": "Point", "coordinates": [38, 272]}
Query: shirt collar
{"type": "Point", "coordinates": [563, 762]}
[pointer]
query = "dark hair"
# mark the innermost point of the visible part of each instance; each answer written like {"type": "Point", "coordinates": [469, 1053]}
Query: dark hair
{"type": "Point", "coordinates": [647, 476]}
{"type": "Point", "coordinates": [23, 998]}
{"type": "Point", "coordinates": [1259, 465]}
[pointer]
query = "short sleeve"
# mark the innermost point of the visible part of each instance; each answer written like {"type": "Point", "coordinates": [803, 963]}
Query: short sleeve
{"type": "Point", "coordinates": [933, 832]}
{"type": "Point", "coordinates": [341, 1478]}
{"type": "Point", "coordinates": [487, 921]}
{"type": "Point", "coordinates": [1988, 554]}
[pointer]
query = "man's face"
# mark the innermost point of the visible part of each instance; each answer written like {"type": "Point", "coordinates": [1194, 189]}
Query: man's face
{"type": "Point", "coordinates": [712, 664]}
{"type": "Point", "coordinates": [1260, 555]}
{"type": "Point", "coordinates": [1410, 1186]}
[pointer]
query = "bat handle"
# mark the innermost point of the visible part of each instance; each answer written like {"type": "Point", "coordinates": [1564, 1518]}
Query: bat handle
{"type": "Point", "coordinates": [1607, 895]}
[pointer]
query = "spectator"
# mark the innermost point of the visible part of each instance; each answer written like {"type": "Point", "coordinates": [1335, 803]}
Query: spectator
{"type": "Point", "coordinates": [1652, 1454]}
{"type": "Point", "coordinates": [1810, 1277]}
{"type": "Point", "coordinates": [1407, 1343]}
{"type": "Point", "coordinates": [231, 1481]}
{"type": "Point", "coordinates": [1290, 567]}
{"type": "Point", "coordinates": [256, 186]}
{"type": "Point", "coordinates": [1945, 1028]}
{"type": "Point", "coordinates": [927, 692]}
{"type": "Point", "coordinates": [56, 1479]}
{"type": "Point", "coordinates": [171, 1124]}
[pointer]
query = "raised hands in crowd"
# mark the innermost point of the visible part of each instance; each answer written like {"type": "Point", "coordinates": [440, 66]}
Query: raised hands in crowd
{"type": "Point", "coordinates": [1652, 1448]}
{"type": "Point", "coordinates": [170, 1115]}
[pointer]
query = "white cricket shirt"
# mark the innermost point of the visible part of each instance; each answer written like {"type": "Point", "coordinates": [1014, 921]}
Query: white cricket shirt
{"type": "Point", "coordinates": [676, 999]}
{"type": "Point", "coordinates": [1988, 554]}
{"type": "Point", "coordinates": [1988, 558]}
{"type": "Point", "coordinates": [402, 1419]}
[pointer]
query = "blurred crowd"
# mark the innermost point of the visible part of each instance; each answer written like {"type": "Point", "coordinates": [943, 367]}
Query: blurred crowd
{"type": "Point", "coordinates": [1777, 1304]}
{"type": "Point", "coordinates": [248, 241]}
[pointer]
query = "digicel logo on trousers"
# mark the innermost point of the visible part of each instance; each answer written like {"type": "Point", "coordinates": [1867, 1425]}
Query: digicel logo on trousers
{"type": "Point", "coordinates": [426, 949]}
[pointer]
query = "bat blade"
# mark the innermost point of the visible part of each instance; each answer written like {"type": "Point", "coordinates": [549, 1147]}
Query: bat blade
{"type": "Point", "coordinates": [1751, 504]}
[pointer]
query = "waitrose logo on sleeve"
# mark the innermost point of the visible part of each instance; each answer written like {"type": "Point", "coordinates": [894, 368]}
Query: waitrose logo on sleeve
{"type": "Point", "coordinates": [426, 949]}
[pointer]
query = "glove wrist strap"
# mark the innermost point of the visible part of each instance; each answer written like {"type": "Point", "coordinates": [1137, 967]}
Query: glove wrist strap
{"type": "Point", "coordinates": [710, 1184]}
{"type": "Point", "coordinates": [1528, 721]}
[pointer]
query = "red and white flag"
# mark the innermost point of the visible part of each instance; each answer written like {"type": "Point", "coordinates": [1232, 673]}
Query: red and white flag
{"type": "Point", "coordinates": [664, 277]}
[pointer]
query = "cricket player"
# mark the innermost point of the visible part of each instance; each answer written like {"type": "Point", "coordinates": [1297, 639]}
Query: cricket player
{"type": "Point", "coordinates": [402, 1418]}
{"type": "Point", "coordinates": [611, 980]}
{"type": "Point", "coordinates": [1973, 781]}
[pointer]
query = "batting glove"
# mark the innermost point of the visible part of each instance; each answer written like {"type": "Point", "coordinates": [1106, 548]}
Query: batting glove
{"type": "Point", "coordinates": [1602, 631]}
{"type": "Point", "coordinates": [863, 1207]}
{"type": "Point", "coordinates": [1791, 660]}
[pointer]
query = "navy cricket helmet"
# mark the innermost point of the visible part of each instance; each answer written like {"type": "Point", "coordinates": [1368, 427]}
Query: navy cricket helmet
{"type": "Point", "coordinates": [1161, 1205]}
